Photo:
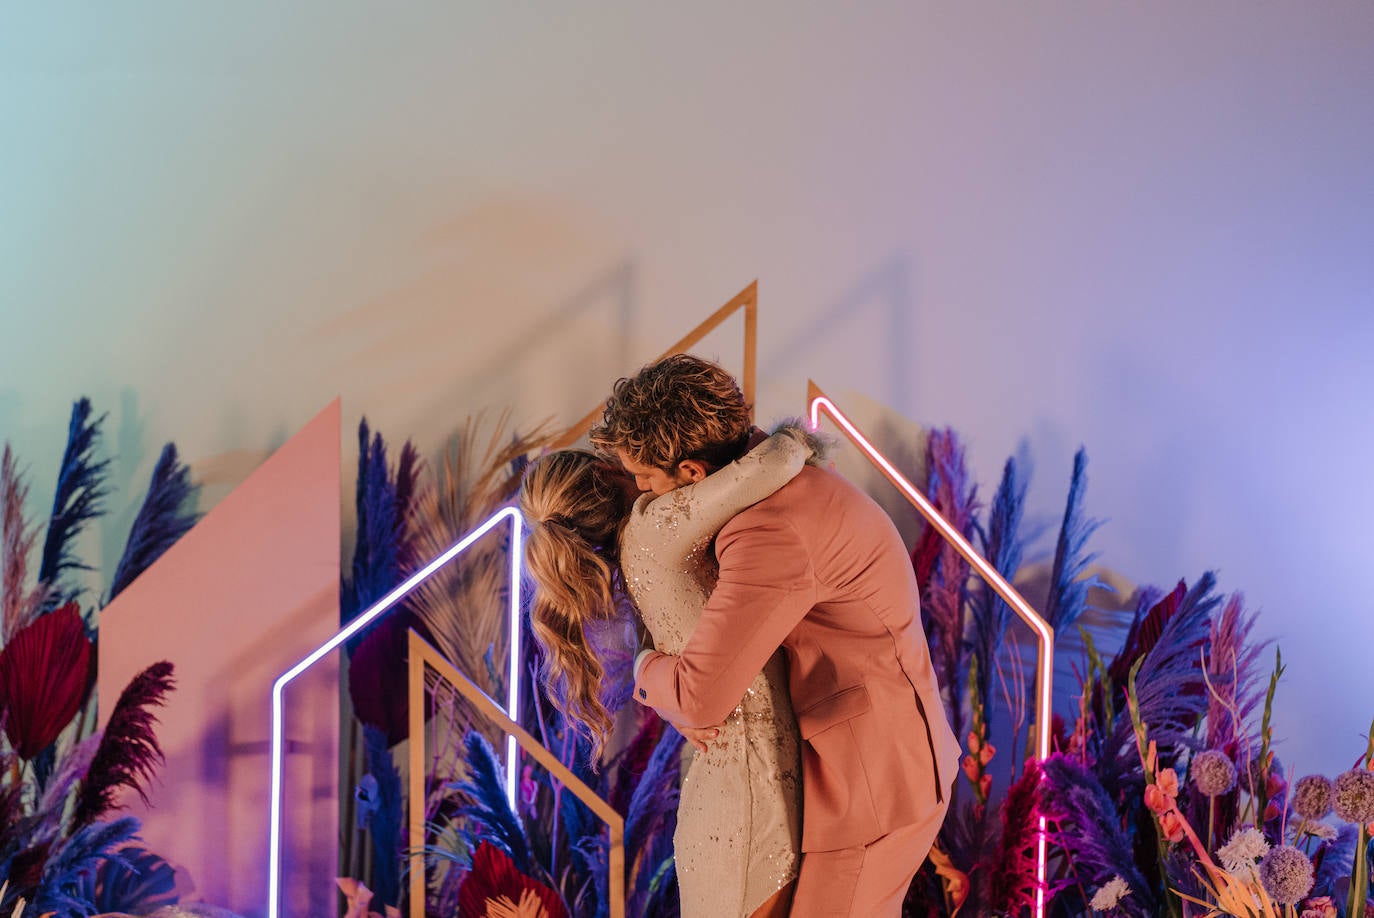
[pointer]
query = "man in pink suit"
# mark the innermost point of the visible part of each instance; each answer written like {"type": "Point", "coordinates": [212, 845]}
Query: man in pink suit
{"type": "Point", "coordinates": [819, 570]}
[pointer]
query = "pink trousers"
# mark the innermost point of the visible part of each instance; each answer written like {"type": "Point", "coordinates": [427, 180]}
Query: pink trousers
{"type": "Point", "coordinates": [869, 881]}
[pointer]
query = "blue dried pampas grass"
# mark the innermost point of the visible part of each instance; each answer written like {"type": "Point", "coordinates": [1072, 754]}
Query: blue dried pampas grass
{"type": "Point", "coordinates": [1068, 587]}
{"type": "Point", "coordinates": [163, 519]}
{"type": "Point", "coordinates": [79, 499]}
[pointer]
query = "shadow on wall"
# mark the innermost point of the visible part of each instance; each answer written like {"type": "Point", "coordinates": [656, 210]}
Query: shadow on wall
{"type": "Point", "coordinates": [485, 314]}
{"type": "Point", "coordinates": [876, 314]}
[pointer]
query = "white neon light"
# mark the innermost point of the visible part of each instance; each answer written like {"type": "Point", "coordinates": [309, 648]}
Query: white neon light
{"type": "Point", "coordinates": [1045, 662]}
{"type": "Point", "coordinates": [362, 621]}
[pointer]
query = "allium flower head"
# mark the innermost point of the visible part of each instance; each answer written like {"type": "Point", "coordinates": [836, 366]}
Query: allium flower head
{"type": "Point", "coordinates": [1112, 892]}
{"type": "Point", "coordinates": [1213, 772]}
{"type": "Point", "coordinates": [1286, 874]}
{"type": "Point", "coordinates": [1318, 830]}
{"type": "Point", "coordinates": [1245, 847]}
{"type": "Point", "coordinates": [1312, 797]}
{"type": "Point", "coordinates": [1353, 796]}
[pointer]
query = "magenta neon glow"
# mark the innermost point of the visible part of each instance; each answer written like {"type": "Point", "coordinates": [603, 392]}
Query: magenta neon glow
{"type": "Point", "coordinates": [1045, 656]}
{"type": "Point", "coordinates": [362, 621]}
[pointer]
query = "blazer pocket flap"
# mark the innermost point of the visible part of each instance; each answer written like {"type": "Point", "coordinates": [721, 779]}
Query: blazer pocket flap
{"type": "Point", "coordinates": [837, 708]}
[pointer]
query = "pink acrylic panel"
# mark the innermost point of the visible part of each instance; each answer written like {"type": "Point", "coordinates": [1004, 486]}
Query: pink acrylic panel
{"type": "Point", "coordinates": [248, 592]}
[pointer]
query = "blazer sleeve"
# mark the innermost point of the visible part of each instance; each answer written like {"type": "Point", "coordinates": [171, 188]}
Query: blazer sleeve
{"type": "Point", "coordinates": [766, 587]}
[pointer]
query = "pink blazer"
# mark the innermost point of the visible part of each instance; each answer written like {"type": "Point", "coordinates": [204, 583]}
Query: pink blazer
{"type": "Point", "coordinates": [818, 569]}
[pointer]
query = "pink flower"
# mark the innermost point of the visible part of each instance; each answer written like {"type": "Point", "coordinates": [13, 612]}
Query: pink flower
{"type": "Point", "coordinates": [1162, 796]}
{"type": "Point", "coordinates": [970, 767]}
{"type": "Point", "coordinates": [986, 753]}
{"type": "Point", "coordinates": [1171, 824]}
{"type": "Point", "coordinates": [529, 789]}
{"type": "Point", "coordinates": [1319, 907]}
{"type": "Point", "coordinates": [974, 743]}
{"type": "Point", "coordinates": [1158, 801]}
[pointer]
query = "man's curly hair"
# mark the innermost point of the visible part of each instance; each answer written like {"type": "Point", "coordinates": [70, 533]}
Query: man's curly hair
{"type": "Point", "coordinates": [681, 407]}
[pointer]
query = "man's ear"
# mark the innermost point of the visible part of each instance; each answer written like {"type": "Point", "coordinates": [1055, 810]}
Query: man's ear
{"type": "Point", "coordinates": [692, 470]}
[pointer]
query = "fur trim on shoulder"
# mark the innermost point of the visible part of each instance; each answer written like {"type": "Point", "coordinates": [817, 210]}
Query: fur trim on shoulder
{"type": "Point", "coordinates": [798, 429]}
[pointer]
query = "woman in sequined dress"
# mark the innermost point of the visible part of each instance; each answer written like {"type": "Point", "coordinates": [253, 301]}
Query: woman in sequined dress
{"type": "Point", "coordinates": [737, 845]}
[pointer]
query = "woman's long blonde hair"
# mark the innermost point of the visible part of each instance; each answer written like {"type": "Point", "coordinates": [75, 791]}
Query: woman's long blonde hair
{"type": "Point", "coordinates": [575, 504]}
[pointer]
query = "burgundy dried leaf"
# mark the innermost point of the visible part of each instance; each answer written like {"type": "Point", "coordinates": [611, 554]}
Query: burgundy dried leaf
{"type": "Point", "coordinates": [1012, 873]}
{"type": "Point", "coordinates": [45, 675]}
{"type": "Point", "coordinates": [378, 674]}
{"type": "Point", "coordinates": [493, 876]}
{"type": "Point", "coordinates": [128, 754]}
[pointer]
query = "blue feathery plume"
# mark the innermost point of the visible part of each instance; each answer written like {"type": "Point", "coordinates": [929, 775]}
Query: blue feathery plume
{"type": "Point", "coordinates": [1234, 670]}
{"type": "Point", "coordinates": [631, 763]}
{"type": "Point", "coordinates": [653, 805]}
{"type": "Point", "coordinates": [1003, 545]}
{"type": "Point", "coordinates": [143, 883]}
{"type": "Point", "coordinates": [79, 499]}
{"type": "Point", "coordinates": [1068, 587]}
{"type": "Point", "coordinates": [406, 480]}
{"type": "Point", "coordinates": [163, 519]}
{"type": "Point", "coordinates": [1084, 823]}
{"type": "Point", "coordinates": [384, 823]}
{"type": "Point", "coordinates": [79, 855]}
{"type": "Point", "coordinates": [1337, 861]}
{"type": "Point", "coordinates": [581, 828]}
{"type": "Point", "coordinates": [651, 823]}
{"type": "Point", "coordinates": [374, 554]}
{"type": "Point", "coordinates": [945, 593]}
{"type": "Point", "coordinates": [1169, 686]}
{"type": "Point", "coordinates": [969, 836]}
{"type": "Point", "coordinates": [488, 816]}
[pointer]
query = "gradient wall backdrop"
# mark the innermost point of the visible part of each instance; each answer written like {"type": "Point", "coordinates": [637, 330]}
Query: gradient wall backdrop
{"type": "Point", "coordinates": [1145, 228]}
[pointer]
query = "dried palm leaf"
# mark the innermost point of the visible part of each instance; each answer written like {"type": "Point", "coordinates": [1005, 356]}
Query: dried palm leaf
{"type": "Point", "coordinates": [464, 604]}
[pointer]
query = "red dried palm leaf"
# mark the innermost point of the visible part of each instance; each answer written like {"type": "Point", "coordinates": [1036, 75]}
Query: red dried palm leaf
{"type": "Point", "coordinates": [493, 877]}
{"type": "Point", "coordinates": [45, 675]}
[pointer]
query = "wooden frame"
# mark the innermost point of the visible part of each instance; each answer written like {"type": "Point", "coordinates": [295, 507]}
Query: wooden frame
{"type": "Point", "coordinates": [748, 300]}
{"type": "Point", "coordinates": [424, 657]}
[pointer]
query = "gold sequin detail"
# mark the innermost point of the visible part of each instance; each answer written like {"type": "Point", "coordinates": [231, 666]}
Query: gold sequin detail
{"type": "Point", "coordinates": [739, 817]}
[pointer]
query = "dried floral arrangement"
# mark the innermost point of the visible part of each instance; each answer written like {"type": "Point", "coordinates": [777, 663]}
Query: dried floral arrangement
{"type": "Point", "coordinates": [548, 856]}
{"type": "Point", "coordinates": [64, 851]}
{"type": "Point", "coordinates": [1172, 731]}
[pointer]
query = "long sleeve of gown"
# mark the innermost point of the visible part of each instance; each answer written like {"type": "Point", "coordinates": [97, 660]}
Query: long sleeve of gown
{"type": "Point", "coordinates": [681, 520]}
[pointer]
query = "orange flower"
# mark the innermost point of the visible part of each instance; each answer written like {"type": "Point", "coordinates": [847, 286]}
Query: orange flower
{"type": "Point", "coordinates": [1171, 824]}
{"type": "Point", "coordinates": [1168, 783]}
{"type": "Point", "coordinates": [1157, 801]}
{"type": "Point", "coordinates": [986, 753]}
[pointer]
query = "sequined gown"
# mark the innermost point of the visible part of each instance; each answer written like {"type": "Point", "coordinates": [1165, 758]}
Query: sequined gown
{"type": "Point", "coordinates": [739, 816]}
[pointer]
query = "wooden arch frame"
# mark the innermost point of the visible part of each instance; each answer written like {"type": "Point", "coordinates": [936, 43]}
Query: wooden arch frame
{"type": "Point", "coordinates": [748, 300]}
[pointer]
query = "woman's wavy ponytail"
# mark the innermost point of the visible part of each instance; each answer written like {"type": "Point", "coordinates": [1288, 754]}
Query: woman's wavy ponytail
{"type": "Point", "coordinates": [575, 506]}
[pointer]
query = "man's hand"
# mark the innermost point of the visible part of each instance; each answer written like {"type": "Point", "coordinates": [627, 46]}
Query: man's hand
{"type": "Point", "coordinates": [699, 737]}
